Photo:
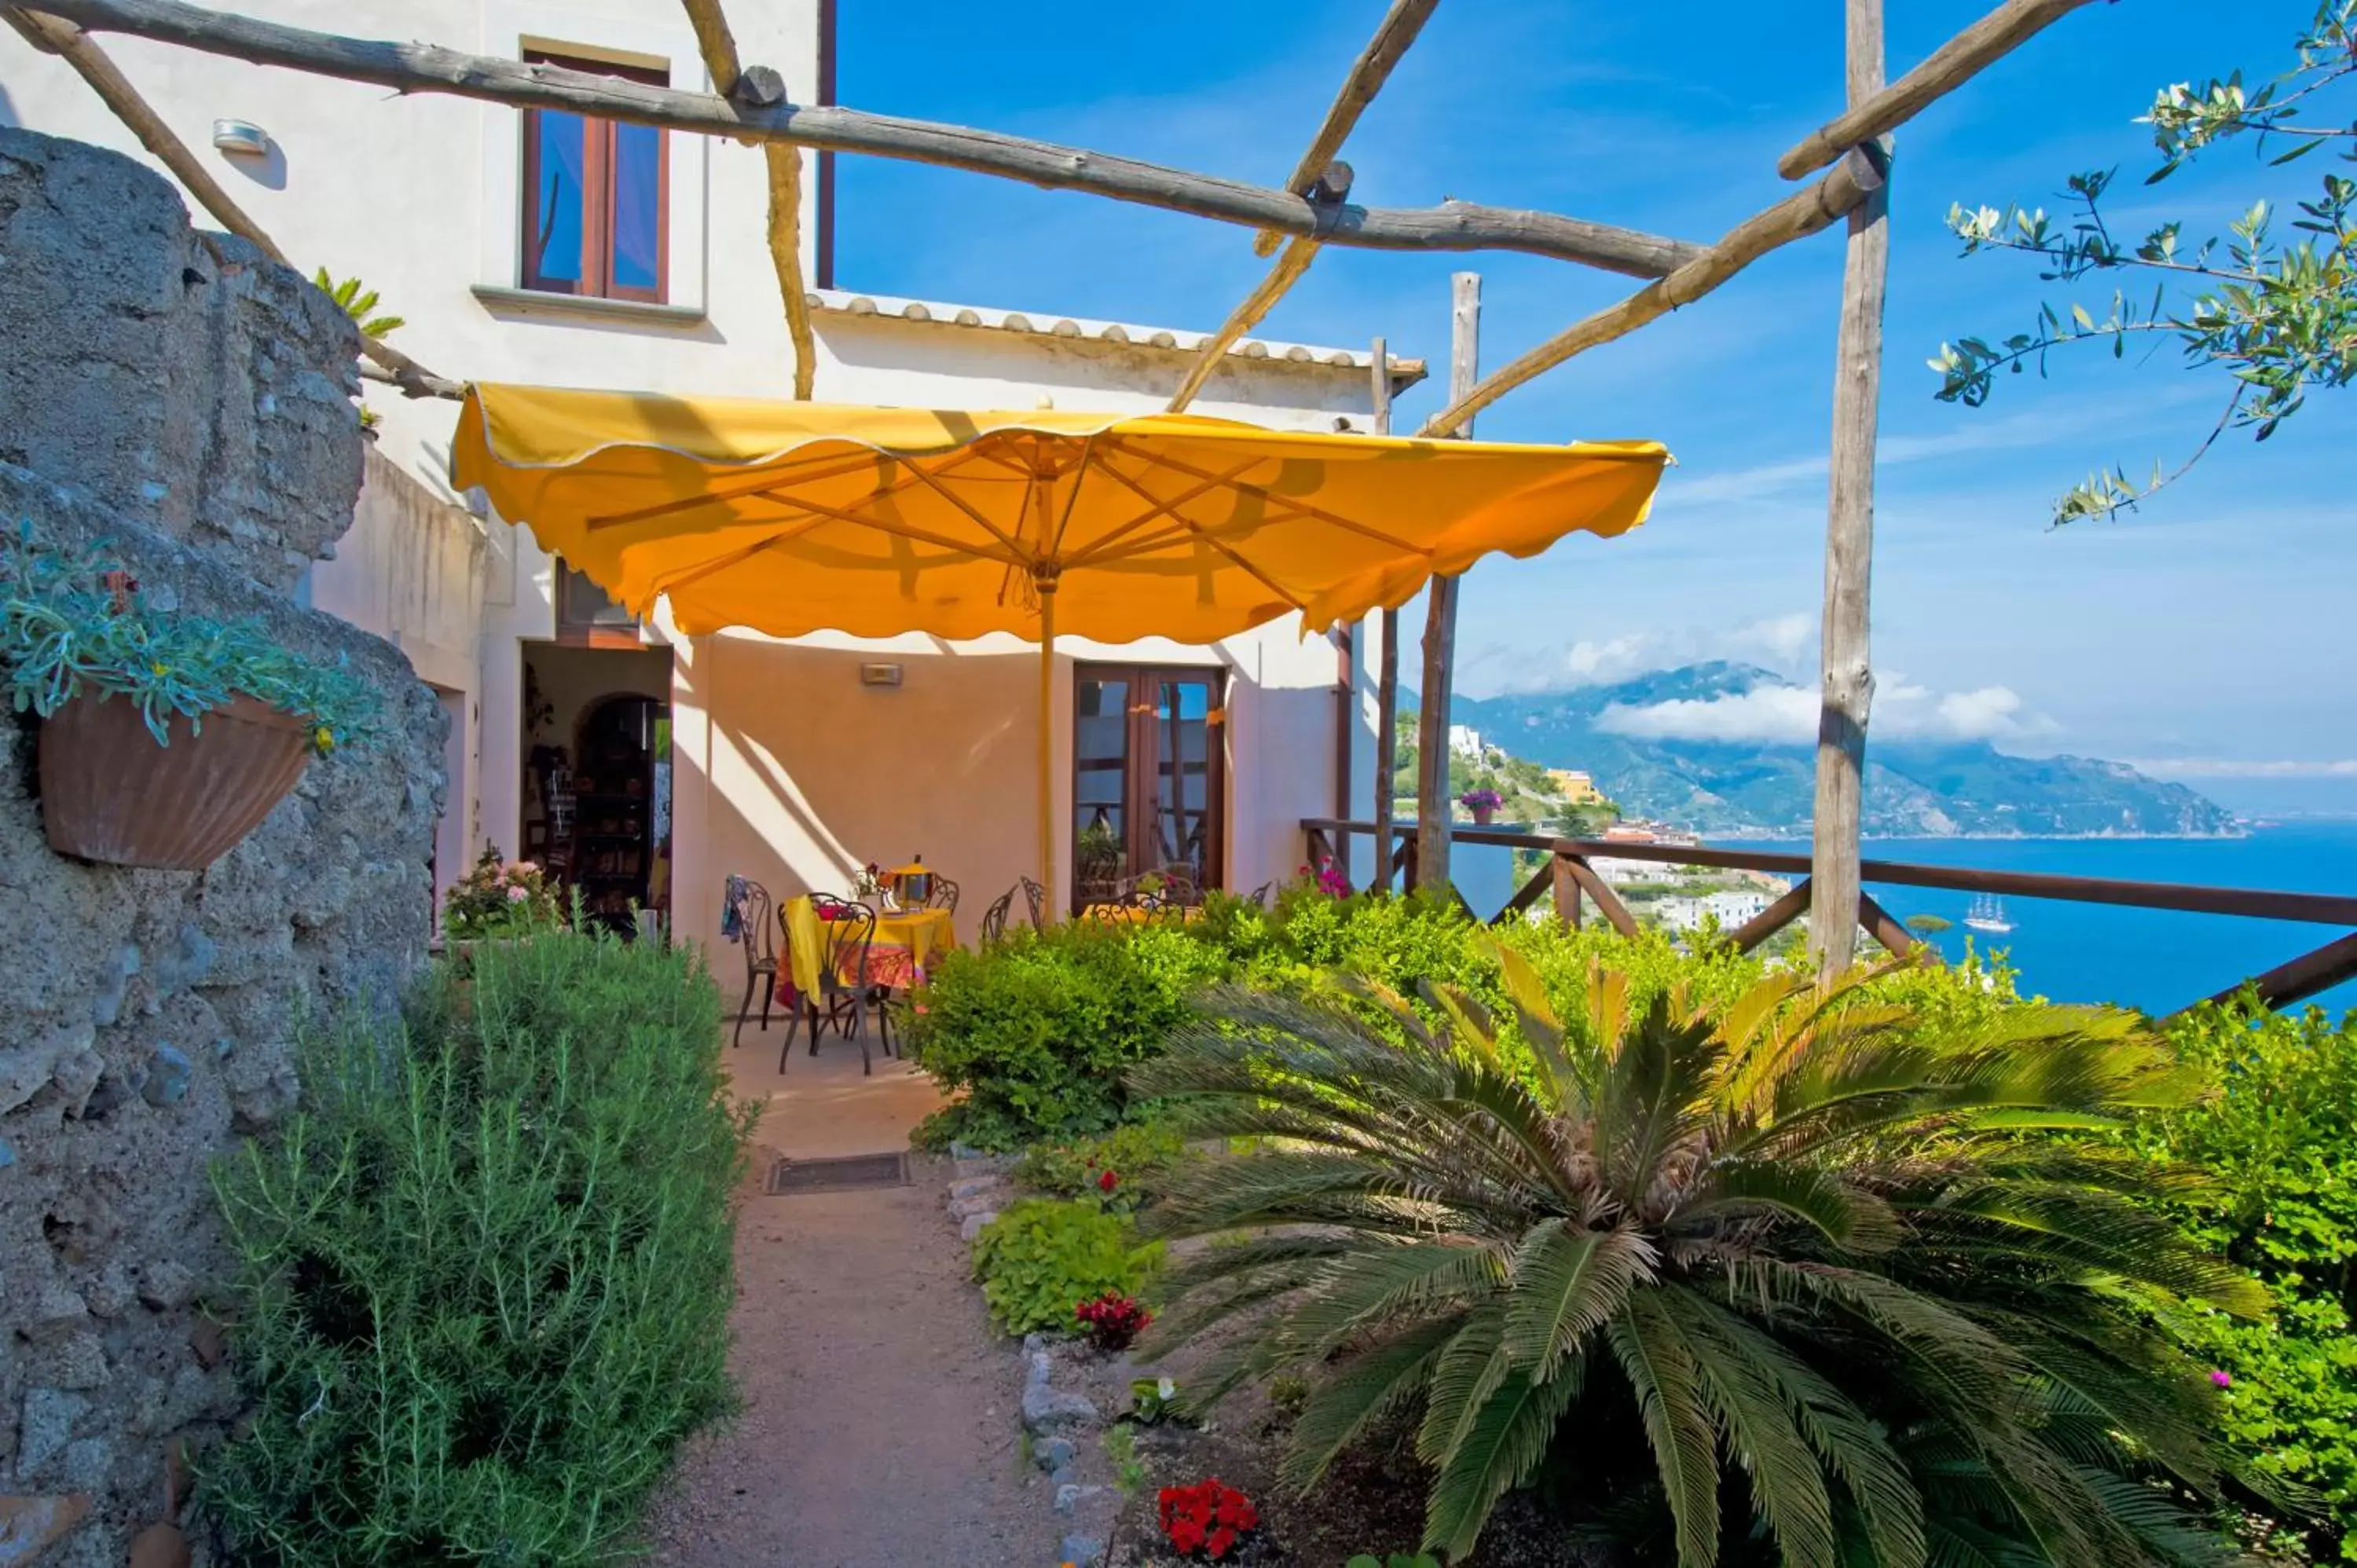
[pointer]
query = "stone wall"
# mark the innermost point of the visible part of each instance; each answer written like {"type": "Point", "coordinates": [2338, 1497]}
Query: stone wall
{"type": "Point", "coordinates": [179, 398]}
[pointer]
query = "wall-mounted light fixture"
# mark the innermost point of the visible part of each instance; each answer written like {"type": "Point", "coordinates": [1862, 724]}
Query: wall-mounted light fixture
{"type": "Point", "coordinates": [241, 138]}
{"type": "Point", "coordinates": [879, 674]}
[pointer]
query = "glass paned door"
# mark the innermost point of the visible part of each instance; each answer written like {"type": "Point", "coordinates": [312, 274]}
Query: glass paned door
{"type": "Point", "coordinates": [1100, 787]}
{"type": "Point", "coordinates": [1148, 788]}
{"type": "Point", "coordinates": [1184, 748]}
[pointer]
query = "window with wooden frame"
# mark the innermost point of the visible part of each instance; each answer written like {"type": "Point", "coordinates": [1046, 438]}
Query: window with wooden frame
{"type": "Point", "coordinates": [597, 197]}
{"type": "Point", "coordinates": [1149, 776]}
{"type": "Point", "coordinates": [586, 617]}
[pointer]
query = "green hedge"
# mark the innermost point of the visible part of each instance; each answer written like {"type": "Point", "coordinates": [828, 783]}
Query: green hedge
{"type": "Point", "coordinates": [1038, 1033]}
{"type": "Point", "coordinates": [485, 1271]}
{"type": "Point", "coordinates": [2281, 1137]}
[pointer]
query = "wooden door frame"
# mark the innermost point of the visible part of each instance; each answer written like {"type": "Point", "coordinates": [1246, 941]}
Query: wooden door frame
{"type": "Point", "coordinates": [1143, 753]}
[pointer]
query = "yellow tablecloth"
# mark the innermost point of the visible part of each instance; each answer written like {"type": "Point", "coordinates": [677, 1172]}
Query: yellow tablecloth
{"type": "Point", "coordinates": [920, 933]}
{"type": "Point", "coordinates": [803, 942]}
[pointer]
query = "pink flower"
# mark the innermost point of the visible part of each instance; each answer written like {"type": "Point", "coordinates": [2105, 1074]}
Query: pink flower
{"type": "Point", "coordinates": [2221, 1379]}
{"type": "Point", "coordinates": [517, 895]}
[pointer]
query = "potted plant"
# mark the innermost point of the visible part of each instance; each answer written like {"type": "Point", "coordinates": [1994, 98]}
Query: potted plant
{"type": "Point", "coordinates": [165, 738]}
{"type": "Point", "coordinates": [1483, 803]}
{"type": "Point", "coordinates": [499, 899]}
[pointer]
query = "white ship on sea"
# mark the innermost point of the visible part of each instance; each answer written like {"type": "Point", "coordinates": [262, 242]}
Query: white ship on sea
{"type": "Point", "coordinates": [1988, 915]}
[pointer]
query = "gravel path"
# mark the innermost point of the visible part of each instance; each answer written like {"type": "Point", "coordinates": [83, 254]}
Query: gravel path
{"type": "Point", "coordinates": [881, 1421]}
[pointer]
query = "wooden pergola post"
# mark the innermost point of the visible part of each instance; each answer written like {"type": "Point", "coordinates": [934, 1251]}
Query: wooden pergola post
{"type": "Point", "coordinates": [1432, 813]}
{"type": "Point", "coordinates": [1387, 668]}
{"type": "Point", "coordinates": [1848, 670]}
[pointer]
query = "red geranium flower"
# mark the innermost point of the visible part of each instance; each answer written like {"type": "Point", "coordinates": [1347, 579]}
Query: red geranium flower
{"type": "Point", "coordinates": [1113, 1321]}
{"type": "Point", "coordinates": [1208, 1517]}
{"type": "Point", "coordinates": [1107, 1181]}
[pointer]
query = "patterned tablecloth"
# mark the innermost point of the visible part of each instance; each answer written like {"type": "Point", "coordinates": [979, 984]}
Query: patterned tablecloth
{"type": "Point", "coordinates": [905, 942]}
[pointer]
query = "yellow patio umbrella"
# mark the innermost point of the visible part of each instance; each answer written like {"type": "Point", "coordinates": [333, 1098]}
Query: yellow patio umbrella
{"type": "Point", "coordinates": [789, 518]}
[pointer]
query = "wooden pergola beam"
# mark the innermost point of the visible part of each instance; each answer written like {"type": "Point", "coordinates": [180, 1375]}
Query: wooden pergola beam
{"type": "Point", "coordinates": [1296, 260]}
{"type": "Point", "coordinates": [1396, 31]}
{"type": "Point", "coordinates": [1803, 213]}
{"type": "Point", "coordinates": [94, 66]}
{"type": "Point", "coordinates": [719, 47]}
{"type": "Point", "coordinates": [1947, 68]}
{"type": "Point", "coordinates": [428, 67]}
{"type": "Point", "coordinates": [1317, 176]}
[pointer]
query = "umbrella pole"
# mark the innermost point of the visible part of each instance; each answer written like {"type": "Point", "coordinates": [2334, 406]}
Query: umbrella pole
{"type": "Point", "coordinates": [1047, 744]}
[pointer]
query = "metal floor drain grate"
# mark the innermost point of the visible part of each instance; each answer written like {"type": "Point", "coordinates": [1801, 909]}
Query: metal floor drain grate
{"type": "Point", "coordinates": [790, 1176]}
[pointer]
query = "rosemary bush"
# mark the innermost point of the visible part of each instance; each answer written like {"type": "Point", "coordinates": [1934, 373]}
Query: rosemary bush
{"type": "Point", "coordinates": [485, 1272]}
{"type": "Point", "coordinates": [74, 624]}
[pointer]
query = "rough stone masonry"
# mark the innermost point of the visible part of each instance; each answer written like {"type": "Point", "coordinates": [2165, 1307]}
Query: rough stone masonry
{"type": "Point", "coordinates": [181, 398]}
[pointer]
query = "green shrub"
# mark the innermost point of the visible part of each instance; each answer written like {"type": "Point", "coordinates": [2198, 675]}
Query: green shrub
{"type": "Point", "coordinates": [1042, 1257]}
{"type": "Point", "coordinates": [1039, 1031]}
{"type": "Point", "coordinates": [1765, 1282]}
{"type": "Point", "coordinates": [484, 1273]}
{"type": "Point", "coordinates": [1133, 1156]}
{"type": "Point", "coordinates": [2281, 1140]}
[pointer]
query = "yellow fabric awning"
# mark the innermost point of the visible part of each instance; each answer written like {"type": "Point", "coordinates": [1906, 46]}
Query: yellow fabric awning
{"type": "Point", "coordinates": [789, 518]}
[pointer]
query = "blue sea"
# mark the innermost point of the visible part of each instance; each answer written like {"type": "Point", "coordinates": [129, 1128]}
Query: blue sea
{"type": "Point", "coordinates": [2158, 960]}
{"type": "Point", "coordinates": [2153, 959]}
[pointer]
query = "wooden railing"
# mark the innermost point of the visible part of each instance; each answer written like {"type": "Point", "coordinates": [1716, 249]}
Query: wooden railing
{"type": "Point", "coordinates": [1570, 875]}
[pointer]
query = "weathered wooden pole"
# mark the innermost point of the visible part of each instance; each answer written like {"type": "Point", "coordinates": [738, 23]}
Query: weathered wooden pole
{"type": "Point", "coordinates": [1848, 670]}
{"type": "Point", "coordinates": [1440, 620]}
{"type": "Point", "coordinates": [1388, 671]}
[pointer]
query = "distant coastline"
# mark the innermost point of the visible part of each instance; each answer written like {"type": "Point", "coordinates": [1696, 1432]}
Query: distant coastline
{"type": "Point", "coordinates": [1797, 835]}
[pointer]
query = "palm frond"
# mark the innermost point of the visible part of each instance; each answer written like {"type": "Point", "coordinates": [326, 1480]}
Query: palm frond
{"type": "Point", "coordinates": [1566, 1284]}
{"type": "Point", "coordinates": [1499, 1450]}
{"type": "Point", "coordinates": [1677, 1424]}
{"type": "Point", "coordinates": [1371, 1385]}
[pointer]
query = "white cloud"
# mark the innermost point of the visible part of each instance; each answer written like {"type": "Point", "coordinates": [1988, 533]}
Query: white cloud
{"type": "Point", "coordinates": [2247, 768]}
{"type": "Point", "coordinates": [1987, 714]}
{"type": "Point", "coordinates": [1787, 715]}
{"type": "Point", "coordinates": [1776, 642]}
{"type": "Point", "coordinates": [1772, 715]}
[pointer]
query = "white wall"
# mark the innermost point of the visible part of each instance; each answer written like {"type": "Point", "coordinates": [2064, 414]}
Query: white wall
{"type": "Point", "coordinates": [799, 770]}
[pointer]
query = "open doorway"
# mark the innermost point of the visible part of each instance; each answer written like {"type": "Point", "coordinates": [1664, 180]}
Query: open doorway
{"type": "Point", "coordinates": [597, 777]}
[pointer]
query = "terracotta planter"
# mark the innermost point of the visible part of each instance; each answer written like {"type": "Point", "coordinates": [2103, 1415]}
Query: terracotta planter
{"type": "Point", "coordinates": [110, 793]}
{"type": "Point", "coordinates": [1482, 815]}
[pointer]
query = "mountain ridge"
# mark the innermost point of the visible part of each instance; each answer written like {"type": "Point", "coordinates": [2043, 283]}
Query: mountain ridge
{"type": "Point", "coordinates": [1914, 789]}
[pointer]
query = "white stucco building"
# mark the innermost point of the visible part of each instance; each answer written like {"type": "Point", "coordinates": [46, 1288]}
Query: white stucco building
{"type": "Point", "coordinates": [540, 248]}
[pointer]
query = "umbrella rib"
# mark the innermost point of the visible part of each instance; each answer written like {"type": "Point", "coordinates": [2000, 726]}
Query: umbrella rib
{"type": "Point", "coordinates": [1266, 581]}
{"type": "Point", "coordinates": [1299, 508]}
{"type": "Point", "coordinates": [966, 507]}
{"type": "Point", "coordinates": [1080, 478]}
{"type": "Point", "coordinates": [1097, 552]}
{"type": "Point", "coordinates": [664, 585]}
{"type": "Point", "coordinates": [767, 483]}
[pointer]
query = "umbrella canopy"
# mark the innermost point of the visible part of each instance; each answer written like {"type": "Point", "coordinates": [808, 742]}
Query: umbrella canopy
{"type": "Point", "coordinates": [787, 518]}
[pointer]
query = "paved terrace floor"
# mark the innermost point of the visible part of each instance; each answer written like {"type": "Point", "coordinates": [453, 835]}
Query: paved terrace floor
{"type": "Point", "coordinates": [880, 1422]}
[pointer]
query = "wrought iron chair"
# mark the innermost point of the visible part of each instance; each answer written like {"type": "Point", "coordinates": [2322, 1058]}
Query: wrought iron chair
{"type": "Point", "coordinates": [942, 896]}
{"type": "Point", "coordinates": [994, 919]}
{"type": "Point", "coordinates": [1037, 897]}
{"type": "Point", "coordinates": [1265, 896]}
{"type": "Point", "coordinates": [846, 937]}
{"type": "Point", "coordinates": [751, 917]}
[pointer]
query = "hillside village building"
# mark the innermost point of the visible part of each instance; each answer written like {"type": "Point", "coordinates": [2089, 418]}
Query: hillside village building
{"type": "Point", "coordinates": [576, 253]}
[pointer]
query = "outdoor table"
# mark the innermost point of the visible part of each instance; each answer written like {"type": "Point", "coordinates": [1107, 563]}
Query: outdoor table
{"type": "Point", "coordinates": [905, 940]}
{"type": "Point", "coordinates": [1137, 914]}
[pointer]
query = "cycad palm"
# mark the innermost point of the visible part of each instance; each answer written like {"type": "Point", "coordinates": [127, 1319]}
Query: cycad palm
{"type": "Point", "coordinates": [1790, 1239]}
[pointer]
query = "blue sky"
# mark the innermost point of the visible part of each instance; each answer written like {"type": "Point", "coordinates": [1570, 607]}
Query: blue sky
{"type": "Point", "coordinates": [2208, 635]}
